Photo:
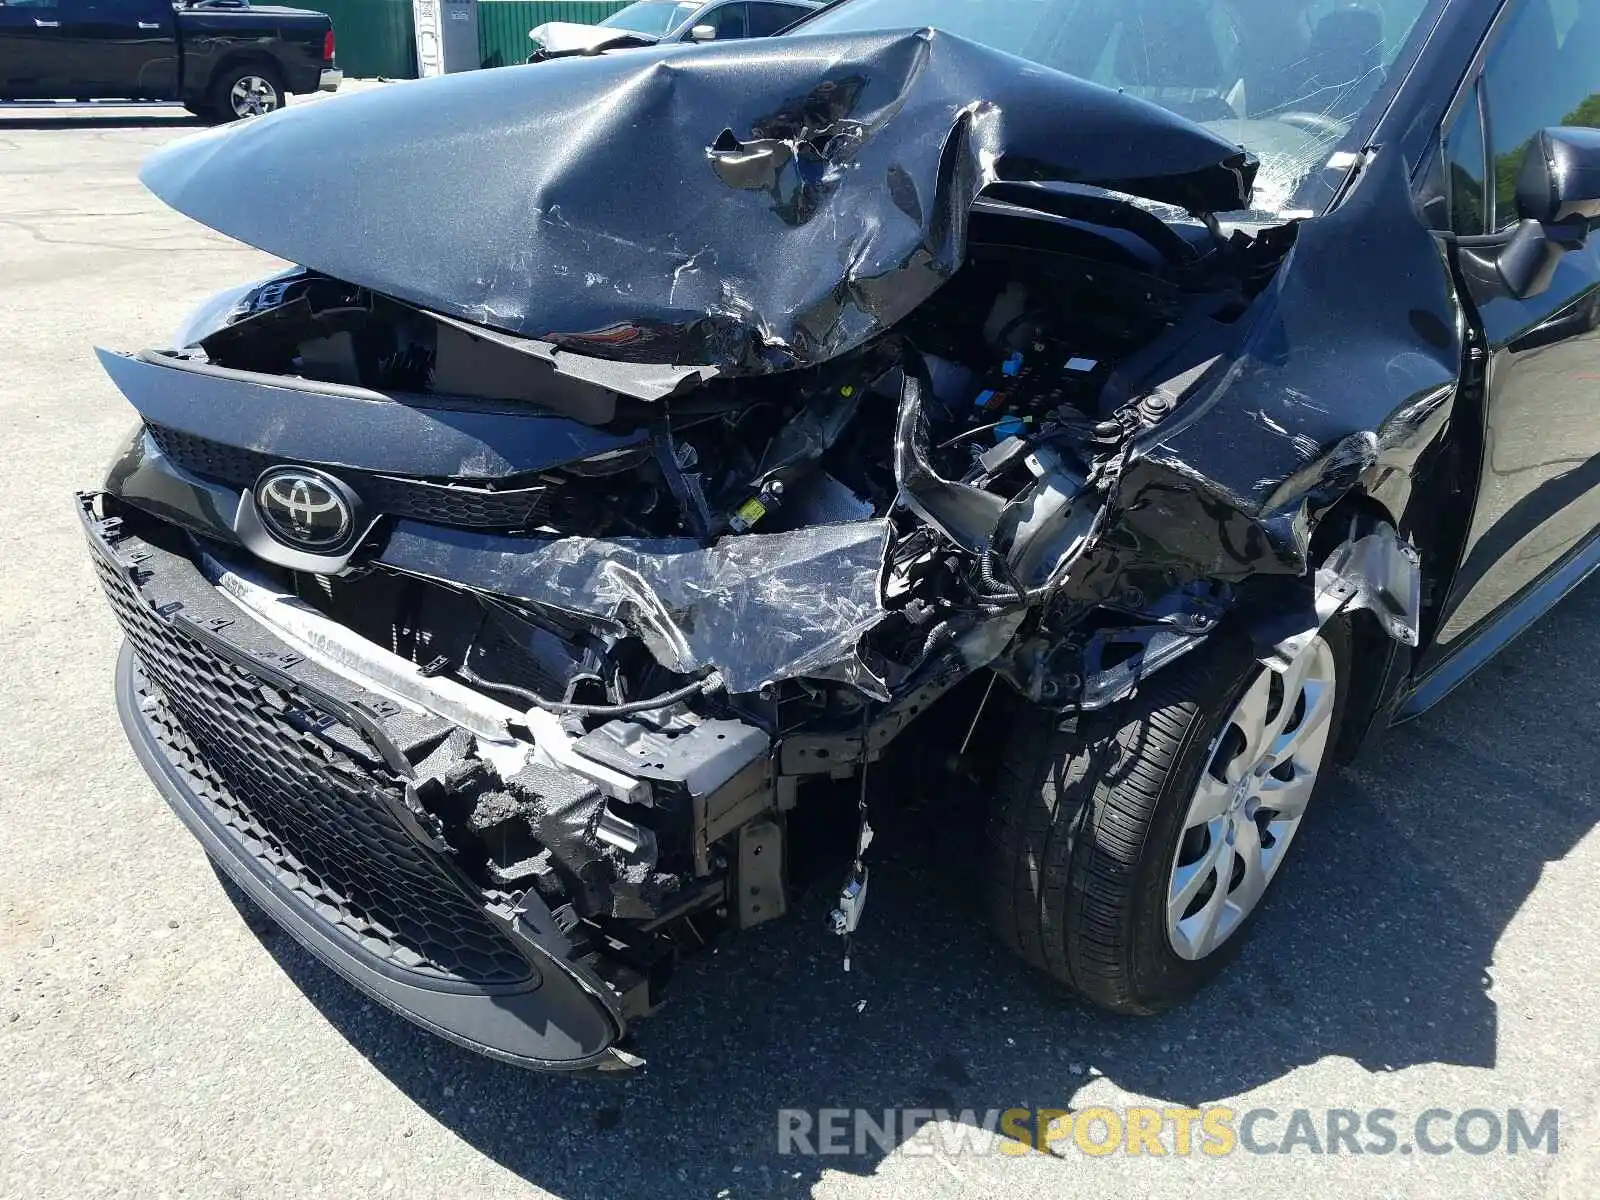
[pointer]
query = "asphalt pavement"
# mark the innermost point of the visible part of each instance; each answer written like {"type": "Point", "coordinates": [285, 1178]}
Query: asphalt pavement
{"type": "Point", "coordinates": [1434, 946]}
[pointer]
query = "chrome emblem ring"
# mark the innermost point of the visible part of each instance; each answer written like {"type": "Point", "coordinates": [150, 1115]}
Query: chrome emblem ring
{"type": "Point", "coordinates": [305, 508]}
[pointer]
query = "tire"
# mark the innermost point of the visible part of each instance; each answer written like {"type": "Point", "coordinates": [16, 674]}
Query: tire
{"type": "Point", "coordinates": [253, 87]}
{"type": "Point", "coordinates": [1086, 829]}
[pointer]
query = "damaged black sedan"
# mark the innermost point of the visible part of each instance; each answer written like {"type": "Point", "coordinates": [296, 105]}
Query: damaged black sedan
{"type": "Point", "coordinates": [643, 442]}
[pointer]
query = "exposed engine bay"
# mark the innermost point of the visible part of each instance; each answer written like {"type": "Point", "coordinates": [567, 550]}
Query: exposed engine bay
{"type": "Point", "coordinates": [955, 465]}
{"type": "Point", "coordinates": [965, 456]}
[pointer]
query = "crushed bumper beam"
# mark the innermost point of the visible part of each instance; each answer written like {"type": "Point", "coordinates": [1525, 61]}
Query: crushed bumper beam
{"type": "Point", "coordinates": [313, 820]}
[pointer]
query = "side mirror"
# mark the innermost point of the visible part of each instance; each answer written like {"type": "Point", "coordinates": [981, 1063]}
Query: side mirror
{"type": "Point", "coordinates": [1560, 176]}
{"type": "Point", "coordinates": [1558, 199]}
{"type": "Point", "coordinates": [703, 33]}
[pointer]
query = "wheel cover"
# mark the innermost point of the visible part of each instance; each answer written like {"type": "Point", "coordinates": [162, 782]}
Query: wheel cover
{"type": "Point", "coordinates": [251, 95]}
{"type": "Point", "coordinates": [1259, 774]}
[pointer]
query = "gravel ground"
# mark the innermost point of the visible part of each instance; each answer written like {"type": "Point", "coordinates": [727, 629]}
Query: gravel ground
{"type": "Point", "coordinates": [1432, 948]}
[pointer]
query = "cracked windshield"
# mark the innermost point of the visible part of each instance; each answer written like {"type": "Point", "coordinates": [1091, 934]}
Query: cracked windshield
{"type": "Point", "coordinates": [1288, 79]}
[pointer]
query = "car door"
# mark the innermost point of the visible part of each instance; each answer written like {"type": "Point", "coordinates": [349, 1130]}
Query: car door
{"type": "Point", "coordinates": [122, 48]}
{"type": "Point", "coordinates": [31, 52]}
{"type": "Point", "coordinates": [1538, 497]}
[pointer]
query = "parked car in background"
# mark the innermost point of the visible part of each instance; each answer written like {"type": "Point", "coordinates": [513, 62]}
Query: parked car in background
{"type": "Point", "coordinates": [651, 22]}
{"type": "Point", "coordinates": [223, 59]}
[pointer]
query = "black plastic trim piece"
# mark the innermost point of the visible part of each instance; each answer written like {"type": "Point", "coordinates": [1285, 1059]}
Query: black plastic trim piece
{"type": "Point", "coordinates": [334, 427]}
{"type": "Point", "coordinates": [525, 1027]}
{"type": "Point", "coordinates": [555, 1020]}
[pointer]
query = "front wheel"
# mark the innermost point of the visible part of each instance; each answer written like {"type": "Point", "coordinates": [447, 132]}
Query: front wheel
{"type": "Point", "coordinates": [1129, 857]}
{"type": "Point", "coordinates": [248, 90]}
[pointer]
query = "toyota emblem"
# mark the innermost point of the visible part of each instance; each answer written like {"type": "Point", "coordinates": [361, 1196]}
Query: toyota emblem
{"type": "Point", "coordinates": [305, 509]}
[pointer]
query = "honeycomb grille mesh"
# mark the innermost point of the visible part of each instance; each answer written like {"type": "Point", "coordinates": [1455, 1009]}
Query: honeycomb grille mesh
{"type": "Point", "coordinates": [315, 817]}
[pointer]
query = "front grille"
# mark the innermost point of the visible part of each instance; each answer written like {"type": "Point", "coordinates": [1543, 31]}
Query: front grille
{"type": "Point", "coordinates": [215, 460]}
{"type": "Point", "coordinates": [473, 507]}
{"type": "Point", "coordinates": [452, 504]}
{"type": "Point", "coordinates": [297, 791]}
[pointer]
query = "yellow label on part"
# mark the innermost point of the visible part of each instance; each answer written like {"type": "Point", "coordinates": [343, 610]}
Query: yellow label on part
{"type": "Point", "coordinates": [751, 511]}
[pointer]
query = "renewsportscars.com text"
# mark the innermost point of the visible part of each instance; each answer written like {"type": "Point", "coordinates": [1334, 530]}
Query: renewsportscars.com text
{"type": "Point", "coordinates": [1214, 1132]}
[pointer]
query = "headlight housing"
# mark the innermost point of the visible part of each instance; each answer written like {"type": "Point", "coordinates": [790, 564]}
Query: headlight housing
{"type": "Point", "coordinates": [224, 308]}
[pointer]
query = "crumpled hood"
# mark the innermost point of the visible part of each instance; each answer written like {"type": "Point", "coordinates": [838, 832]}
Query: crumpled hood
{"type": "Point", "coordinates": [752, 206]}
{"type": "Point", "coordinates": [565, 37]}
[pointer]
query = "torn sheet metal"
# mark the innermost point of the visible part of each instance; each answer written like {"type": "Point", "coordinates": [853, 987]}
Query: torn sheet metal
{"type": "Point", "coordinates": [1378, 572]}
{"type": "Point", "coordinates": [1344, 377]}
{"type": "Point", "coordinates": [966, 515]}
{"type": "Point", "coordinates": [805, 192]}
{"type": "Point", "coordinates": [757, 607]}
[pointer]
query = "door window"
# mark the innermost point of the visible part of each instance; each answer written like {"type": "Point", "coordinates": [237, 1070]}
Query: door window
{"type": "Point", "coordinates": [728, 21]}
{"type": "Point", "coordinates": [1544, 70]}
{"type": "Point", "coordinates": [1469, 210]}
{"type": "Point", "coordinates": [767, 19]}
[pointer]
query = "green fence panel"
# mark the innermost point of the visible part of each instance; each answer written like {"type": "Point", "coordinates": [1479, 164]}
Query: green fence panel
{"type": "Point", "coordinates": [503, 24]}
{"type": "Point", "coordinates": [374, 38]}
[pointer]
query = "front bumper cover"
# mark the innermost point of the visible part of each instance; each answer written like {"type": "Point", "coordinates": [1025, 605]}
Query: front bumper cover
{"type": "Point", "coordinates": [502, 988]}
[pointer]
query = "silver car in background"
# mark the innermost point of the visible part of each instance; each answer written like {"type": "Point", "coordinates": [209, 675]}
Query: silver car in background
{"type": "Point", "coordinates": [650, 22]}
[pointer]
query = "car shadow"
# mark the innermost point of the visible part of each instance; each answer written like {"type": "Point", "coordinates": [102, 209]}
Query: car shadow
{"type": "Point", "coordinates": [44, 116]}
{"type": "Point", "coordinates": [1378, 949]}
